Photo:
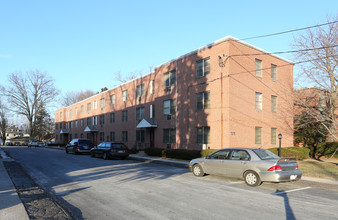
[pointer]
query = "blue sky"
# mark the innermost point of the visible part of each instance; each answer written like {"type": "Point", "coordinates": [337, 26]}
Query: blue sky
{"type": "Point", "coordinates": [82, 44]}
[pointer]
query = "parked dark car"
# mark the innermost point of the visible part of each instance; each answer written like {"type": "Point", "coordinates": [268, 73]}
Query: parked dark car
{"type": "Point", "coordinates": [78, 146]}
{"type": "Point", "coordinates": [25, 143]}
{"type": "Point", "coordinates": [41, 144]}
{"type": "Point", "coordinates": [108, 150]}
{"type": "Point", "coordinates": [9, 143]}
{"type": "Point", "coordinates": [17, 143]}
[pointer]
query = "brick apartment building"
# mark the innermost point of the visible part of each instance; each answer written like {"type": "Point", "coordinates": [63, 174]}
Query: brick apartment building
{"type": "Point", "coordinates": [226, 94]}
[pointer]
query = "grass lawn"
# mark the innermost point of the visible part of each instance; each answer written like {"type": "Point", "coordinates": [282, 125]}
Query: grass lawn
{"type": "Point", "coordinates": [324, 168]}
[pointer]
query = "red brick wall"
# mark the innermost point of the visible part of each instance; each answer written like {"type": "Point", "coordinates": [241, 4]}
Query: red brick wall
{"type": "Point", "coordinates": [239, 86]}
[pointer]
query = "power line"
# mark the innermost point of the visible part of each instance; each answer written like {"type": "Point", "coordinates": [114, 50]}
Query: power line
{"type": "Point", "coordinates": [281, 52]}
{"type": "Point", "coordinates": [289, 31]}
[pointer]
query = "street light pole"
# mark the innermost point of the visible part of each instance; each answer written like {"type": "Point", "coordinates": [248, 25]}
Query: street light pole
{"type": "Point", "coordinates": [280, 145]}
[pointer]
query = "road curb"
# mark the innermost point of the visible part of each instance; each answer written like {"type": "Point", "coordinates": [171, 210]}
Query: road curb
{"type": "Point", "coordinates": [185, 164]}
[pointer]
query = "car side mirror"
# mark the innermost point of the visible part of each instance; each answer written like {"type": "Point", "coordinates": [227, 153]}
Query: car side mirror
{"type": "Point", "coordinates": [75, 143]}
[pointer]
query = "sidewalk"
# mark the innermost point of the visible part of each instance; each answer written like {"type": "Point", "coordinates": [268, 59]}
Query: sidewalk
{"type": "Point", "coordinates": [11, 207]}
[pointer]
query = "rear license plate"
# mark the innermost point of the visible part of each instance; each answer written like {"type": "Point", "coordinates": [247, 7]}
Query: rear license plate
{"type": "Point", "coordinates": [121, 151]}
{"type": "Point", "coordinates": [293, 177]}
{"type": "Point", "coordinates": [85, 147]}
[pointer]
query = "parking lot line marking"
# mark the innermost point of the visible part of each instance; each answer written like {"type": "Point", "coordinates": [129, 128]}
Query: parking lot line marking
{"type": "Point", "coordinates": [292, 190]}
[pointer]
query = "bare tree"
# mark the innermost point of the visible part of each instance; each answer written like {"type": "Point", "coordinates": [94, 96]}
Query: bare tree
{"type": "Point", "coordinates": [73, 97]}
{"type": "Point", "coordinates": [318, 54]}
{"type": "Point", "coordinates": [28, 92]}
{"type": "Point", "coordinates": [3, 122]}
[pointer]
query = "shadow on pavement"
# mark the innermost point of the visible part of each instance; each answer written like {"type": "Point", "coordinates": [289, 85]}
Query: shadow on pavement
{"type": "Point", "coordinates": [288, 210]}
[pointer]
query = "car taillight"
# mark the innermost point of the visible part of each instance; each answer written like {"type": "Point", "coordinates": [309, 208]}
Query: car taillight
{"type": "Point", "coordinates": [297, 167]}
{"type": "Point", "coordinates": [275, 168]}
{"type": "Point", "coordinates": [77, 147]}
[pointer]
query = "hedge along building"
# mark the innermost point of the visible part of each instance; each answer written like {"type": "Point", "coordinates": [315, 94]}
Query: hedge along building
{"type": "Point", "coordinates": [225, 94]}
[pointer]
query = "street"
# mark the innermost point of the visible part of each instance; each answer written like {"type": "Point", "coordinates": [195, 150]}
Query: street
{"type": "Point", "coordinates": [93, 188]}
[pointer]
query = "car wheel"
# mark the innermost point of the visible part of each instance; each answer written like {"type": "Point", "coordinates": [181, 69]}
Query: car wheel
{"type": "Point", "coordinates": [67, 151]}
{"type": "Point", "coordinates": [92, 154]}
{"type": "Point", "coordinates": [251, 178]}
{"type": "Point", "coordinates": [105, 156]}
{"type": "Point", "coordinates": [197, 170]}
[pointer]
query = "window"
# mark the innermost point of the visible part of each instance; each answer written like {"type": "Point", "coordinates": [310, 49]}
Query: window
{"type": "Point", "coordinates": [259, 101]}
{"type": "Point", "coordinates": [202, 67]}
{"type": "Point", "coordinates": [89, 121]}
{"type": "Point", "coordinates": [258, 67]}
{"type": "Point", "coordinates": [81, 123]}
{"type": "Point", "coordinates": [102, 103]}
{"type": "Point", "coordinates": [258, 135]}
{"type": "Point", "coordinates": [125, 115]}
{"type": "Point", "coordinates": [273, 72]}
{"type": "Point", "coordinates": [95, 120]}
{"type": "Point", "coordinates": [75, 111]}
{"type": "Point", "coordinates": [81, 136]}
{"type": "Point", "coordinates": [273, 103]}
{"type": "Point", "coordinates": [95, 104]}
{"type": "Point", "coordinates": [139, 90]}
{"type": "Point", "coordinates": [220, 155]}
{"type": "Point", "coordinates": [152, 87]}
{"type": "Point", "coordinates": [151, 111]}
{"type": "Point", "coordinates": [60, 115]}
{"type": "Point", "coordinates": [101, 119]}
{"type": "Point", "coordinates": [139, 113]}
{"type": "Point", "coordinates": [82, 108]}
{"type": "Point", "coordinates": [112, 136]}
{"type": "Point", "coordinates": [169, 107]}
{"type": "Point", "coordinates": [203, 135]}
{"type": "Point", "coordinates": [71, 114]}
{"type": "Point", "coordinates": [140, 136]}
{"type": "Point", "coordinates": [273, 136]}
{"type": "Point", "coordinates": [101, 136]}
{"type": "Point", "coordinates": [125, 95]}
{"type": "Point", "coordinates": [76, 123]}
{"type": "Point", "coordinates": [125, 136]}
{"type": "Point", "coordinates": [203, 100]}
{"type": "Point", "coordinates": [169, 136]}
{"type": "Point", "coordinates": [67, 114]}
{"type": "Point", "coordinates": [88, 107]}
{"type": "Point", "coordinates": [239, 155]}
{"type": "Point", "coordinates": [75, 135]}
{"type": "Point", "coordinates": [170, 78]}
{"type": "Point", "coordinates": [112, 99]}
{"type": "Point", "coordinates": [112, 117]}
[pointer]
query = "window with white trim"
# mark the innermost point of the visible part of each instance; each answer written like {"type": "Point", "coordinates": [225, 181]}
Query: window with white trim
{"type": "Point", "coordinates": [259, 101]}
{"type": "Point", "coordinates": [203, 67]}
{"type": "Point", "coordinates": [258, 68]}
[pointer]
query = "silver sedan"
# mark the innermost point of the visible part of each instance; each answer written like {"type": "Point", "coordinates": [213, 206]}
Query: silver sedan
{"type": "Point", "coordinates": [253, 165]}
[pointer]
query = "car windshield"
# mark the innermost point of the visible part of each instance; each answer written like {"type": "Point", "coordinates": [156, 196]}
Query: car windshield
{"type": "Point", "coordinates": [85, 142]}
{"type": "Point", "coordinates": [265, 154]}
{"type": "Point", "coordinates": [118, 146]}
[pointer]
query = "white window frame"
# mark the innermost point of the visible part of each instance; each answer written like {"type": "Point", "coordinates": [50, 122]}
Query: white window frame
{"type": "Point", "coordinates": [258, 68]}
{"type": "Point", "coordinates": [258, 101]}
